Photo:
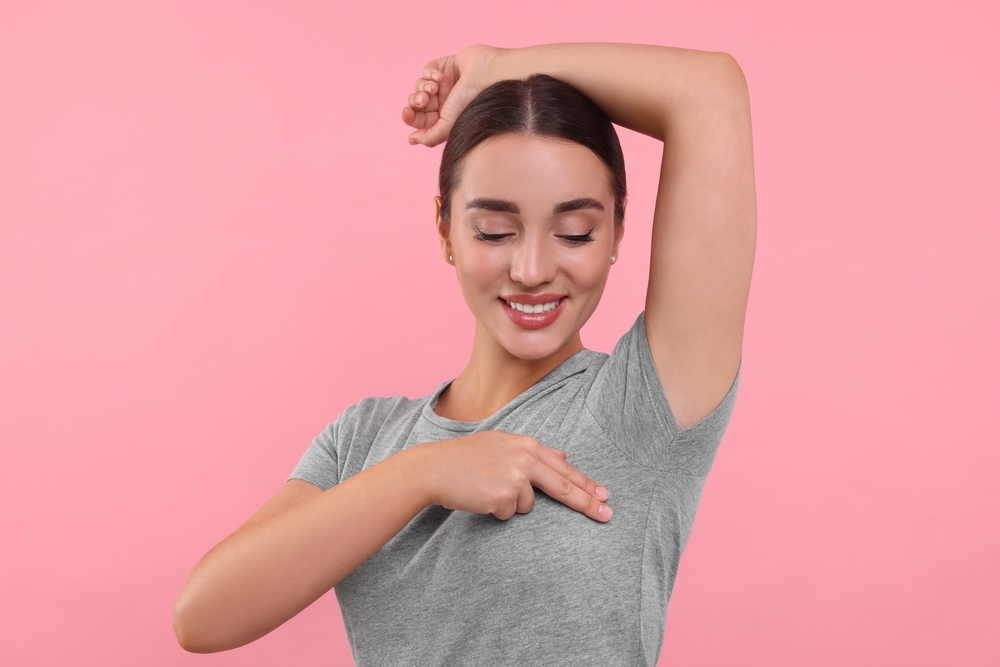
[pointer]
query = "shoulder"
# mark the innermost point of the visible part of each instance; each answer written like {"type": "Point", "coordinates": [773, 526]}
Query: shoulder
{"type": "Point", "coordinates": [373, 412]}
{"type": "Point", "coordinates": [629, 402]}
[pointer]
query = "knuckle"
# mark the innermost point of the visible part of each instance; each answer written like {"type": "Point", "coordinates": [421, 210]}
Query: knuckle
{"type": "Point", "coordinates": [523, 440]}
{"type": "Point", "coordinates": [504, 497]}
{"type": "Point", "coordinates": [524, 459]}
{"type": "Point", "coordinates": [504, 506]}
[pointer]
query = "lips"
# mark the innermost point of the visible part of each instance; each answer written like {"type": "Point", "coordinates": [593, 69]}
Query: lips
{"type": "Point", "coordinates": [537, 308]}
{"type": "Point", "coordinates": [549, 307]}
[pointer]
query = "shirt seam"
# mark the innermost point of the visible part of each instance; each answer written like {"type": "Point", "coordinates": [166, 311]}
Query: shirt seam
{"type": "Point", "coordinates": [555, 384]}
{"type": "Point", "coordinates": [654, 385]}
{"type": "Point", "coordinates": [631, 458]}
{"type": "Point", "coordinates": [642, 569]}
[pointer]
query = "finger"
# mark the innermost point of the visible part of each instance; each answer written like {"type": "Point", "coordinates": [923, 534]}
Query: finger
{"type": "Point", "coordinates": [421, 121]}
{"type": "Point", "coordinates": [424, 137]}
{"type": "Point", "coordinates": [508, 507]}
{"type": "Point", "coordinates": [426, 86]}
{"type": "Point", "coordinates": [566, 469]}
{"type": "Point", "coordinates": [503, 515]}
{"type": "Point", "coordinates": [419, 118]}
{"type": "Point", "coordinates": [420, 137]}
{"type": "Point", "coordinates": [562, 489]}
{"type": "Point", "coordinates": [423, 101]}
{"type": "Point", "coordinates": [411, 117]}
{"type": "Point", "coordinates": [430, 103]}
{"type": "Point", "coordinates": [437, 132]}
{"type": "Point", "coordinates": [432, 70]}
{"type": "Point", "coordinates": [455, 101]}
{"type": "Point", "coordinates": [526, 500]}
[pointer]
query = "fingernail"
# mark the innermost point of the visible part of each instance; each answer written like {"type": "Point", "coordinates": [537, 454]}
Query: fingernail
{"type": "Point", "coordinates": [604, 511]}
{"type": "Point", "coordinates": [602, 493]}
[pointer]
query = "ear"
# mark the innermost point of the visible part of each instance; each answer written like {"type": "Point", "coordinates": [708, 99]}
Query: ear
{"type": "Point", "coordinates": [619, 231]}
{"type": "Point", "coordinates": [443, 230]}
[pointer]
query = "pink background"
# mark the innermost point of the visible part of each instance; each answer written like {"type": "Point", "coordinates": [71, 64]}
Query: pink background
{"type": "Point", "coordinates": [215, 237]}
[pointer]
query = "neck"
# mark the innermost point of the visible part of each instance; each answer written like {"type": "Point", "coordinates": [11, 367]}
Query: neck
{"type": "Point", "coordinates": [494, 377]}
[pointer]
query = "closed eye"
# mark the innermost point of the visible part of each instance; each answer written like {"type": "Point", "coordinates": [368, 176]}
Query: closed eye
{"type": "Point", "coordinates": [580, 238]}
{"type": "Point", "coordinates": [483, 236]}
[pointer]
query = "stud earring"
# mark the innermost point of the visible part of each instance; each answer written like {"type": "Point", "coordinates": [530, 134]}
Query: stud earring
{"type": "Point", "coordinates": [451, 258]}
{"type": "Point", "coordinates": [613, 259]}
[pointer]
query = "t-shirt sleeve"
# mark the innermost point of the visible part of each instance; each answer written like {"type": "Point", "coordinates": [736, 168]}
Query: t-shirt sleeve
{"type": "Point", "coordinates": [320, 462]}
{"type": "Point", "coordinates": [628, 402]}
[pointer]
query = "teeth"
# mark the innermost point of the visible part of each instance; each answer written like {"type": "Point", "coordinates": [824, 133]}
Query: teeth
{"type": "Point", "coordinates": [529, 309]}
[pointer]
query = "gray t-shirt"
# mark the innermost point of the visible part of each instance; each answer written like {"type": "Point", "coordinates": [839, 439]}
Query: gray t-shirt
{"type": "Point", "coordinates": [551, 586]}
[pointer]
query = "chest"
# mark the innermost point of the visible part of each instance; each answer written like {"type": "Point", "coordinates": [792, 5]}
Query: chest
{"type": "Point", "coordinates": [448, 560]}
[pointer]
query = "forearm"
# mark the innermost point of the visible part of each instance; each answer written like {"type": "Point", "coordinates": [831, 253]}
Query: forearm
{"type": "Point", "coordinates": [643, 88]}
{"type": "Point", "coordinates": [259, 577]}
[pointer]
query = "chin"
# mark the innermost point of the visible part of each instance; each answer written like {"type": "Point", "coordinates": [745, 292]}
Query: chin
{"type": "Point", "coordinates": [527, 343]}
{"type": "Point", "coordinates": [532, 353]}
{"type": "Point", "coordinates": [534, 346]}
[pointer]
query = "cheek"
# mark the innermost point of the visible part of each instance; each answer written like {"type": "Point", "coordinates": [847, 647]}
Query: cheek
{"type": "Point", "coordinates": [589, 273]}
{"type": "Point", "coordinates": [481, 272]}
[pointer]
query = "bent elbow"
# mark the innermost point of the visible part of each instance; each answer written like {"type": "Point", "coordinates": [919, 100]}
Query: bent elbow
{"type": "Point", "coordinates": [182, 629]}
{"type": "Point", "coordinates": [732, 80]}
{"type": "Point", "coordinates": [189, 634]}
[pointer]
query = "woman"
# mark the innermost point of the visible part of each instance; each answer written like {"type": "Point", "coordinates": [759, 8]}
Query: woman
{"type": "Point", "coordinates": [408, 507]}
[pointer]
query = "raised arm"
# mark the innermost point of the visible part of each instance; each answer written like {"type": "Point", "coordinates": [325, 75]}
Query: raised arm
{"type": "Point", "coordinates": [704, 224]}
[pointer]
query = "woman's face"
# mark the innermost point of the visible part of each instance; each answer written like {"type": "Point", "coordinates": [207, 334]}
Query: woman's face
{"type": "Point", "coordinates": [532, 234]}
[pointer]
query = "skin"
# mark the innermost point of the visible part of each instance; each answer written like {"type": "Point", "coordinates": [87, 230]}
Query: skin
{"type": "Point", "coordinates": [537, 255]}
{"type": "Point", "coordinates": [304, 540]}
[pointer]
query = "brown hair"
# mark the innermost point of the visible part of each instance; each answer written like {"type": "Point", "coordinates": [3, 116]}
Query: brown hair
{"type": "Point", "coordinates": [540, 106]}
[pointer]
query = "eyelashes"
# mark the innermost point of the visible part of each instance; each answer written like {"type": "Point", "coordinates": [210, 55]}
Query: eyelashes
{"type": "Point", "coordinates": [574, 238]}
{"type": "Point", "coordinates": [580, 238]}
{"type": "Point", "coordinates": [483, 236]}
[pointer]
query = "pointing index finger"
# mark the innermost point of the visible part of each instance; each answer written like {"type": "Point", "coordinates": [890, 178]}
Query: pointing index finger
{"type": "Point", "coordinates": [566, 469]}
{"type": "Point", "coordinates": [571, 487]}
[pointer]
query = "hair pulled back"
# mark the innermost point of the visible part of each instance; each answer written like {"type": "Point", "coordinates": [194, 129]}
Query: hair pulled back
{"type": "Point", "coordinates": [540, 106]}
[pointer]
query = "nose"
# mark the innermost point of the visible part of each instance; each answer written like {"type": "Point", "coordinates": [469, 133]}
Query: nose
{"type": "Point", "coordinates": [532, 264]}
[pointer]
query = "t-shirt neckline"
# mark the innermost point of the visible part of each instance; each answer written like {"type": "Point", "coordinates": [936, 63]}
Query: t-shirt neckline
{"type": "Point", "coordinates": [574, 364]}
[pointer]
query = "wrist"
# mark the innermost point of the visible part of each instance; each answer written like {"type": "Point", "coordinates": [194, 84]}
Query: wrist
{"type": "Point", "coordinates": [416, 463]}
{"type": "Point", "coordinates": [497, 64]}
{"type": "Point", "coordinates": [482, 65]}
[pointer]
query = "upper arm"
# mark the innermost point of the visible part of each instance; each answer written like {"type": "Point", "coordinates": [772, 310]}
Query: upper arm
{"type": "Point", "coordinates": [294, 492]}
{"type": "Point", "coordinates": [704, 235]}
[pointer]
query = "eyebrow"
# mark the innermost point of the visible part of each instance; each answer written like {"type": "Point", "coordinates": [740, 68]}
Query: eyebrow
{"type": "Point", "coordinates": [577, 204]}
{"type": "Point", "coordinates": [505, 206]}
{"type": "Point", "coordinates": [498, 205]}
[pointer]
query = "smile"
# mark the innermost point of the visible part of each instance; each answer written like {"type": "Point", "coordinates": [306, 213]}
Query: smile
{"type": "Point", "coordinates": [537, 308]}
{"type": "Point", "coordinates": [534, 315]}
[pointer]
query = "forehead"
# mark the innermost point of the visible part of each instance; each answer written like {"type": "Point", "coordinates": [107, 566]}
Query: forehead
{"type": "Point", "coordinates": [530, 169]}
